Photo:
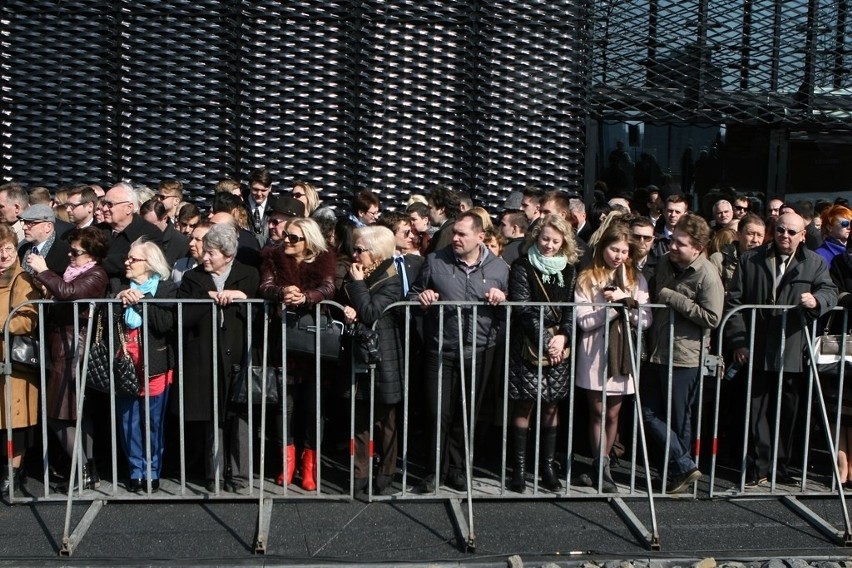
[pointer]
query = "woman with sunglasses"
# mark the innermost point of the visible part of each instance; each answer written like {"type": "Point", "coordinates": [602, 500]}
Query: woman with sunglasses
{"type": "Point", "coordinates": [307, 193]}
{"type": "Point", "coordinates": [371, 286]}
{"type": "Point", "coordinates": [83, 279]}
{"type": "Point", "coordinates": [148, 272]}
{"type": "Point", "coordinates": [298, 275]}
{"type": "Point", "coordinates": [835, 230]}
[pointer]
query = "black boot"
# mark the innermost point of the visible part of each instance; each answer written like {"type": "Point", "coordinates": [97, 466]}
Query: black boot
{"type": "Point", "coordinates": [549, 470]}
{"type": "Point", "coordinates": [19, 478]}
{"type": "Point", "coordinates": [519, 454]}
{"type": "Point", "coordinates": [91, 479]}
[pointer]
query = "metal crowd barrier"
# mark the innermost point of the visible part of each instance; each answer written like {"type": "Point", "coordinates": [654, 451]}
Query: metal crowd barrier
{"type": "Point", "coordinates": [637, 473]}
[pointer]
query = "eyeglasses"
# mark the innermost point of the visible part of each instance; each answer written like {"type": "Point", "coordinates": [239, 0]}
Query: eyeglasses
{"type": "Point", "coordinates": [76, 252]}
{"type": "Point", "coordinates": [8, 250]}
{"type": "Point", "coordinates": [163, 197]}
{"type": "Point", "coordinates": [373, 213]}
{"type": "Point", "coordinates": [31, 223]}
{"type": "Point", "coordinates": [75, 205]}
{"type": "Point", "coordinates": [405, 233]}
{"type": "Point", "coordinates": [790, 232]}
{"type": "Point", "coordinates": [359, 250]}
{"type": "Point", "coordinates": [646, 238]}
{"type": "Point", "coordinates": [111, 204]}
{"type": "Point", "coordinates": [293, 239]}
{"type": "Point", "coordinates": [133, 260]}
{"type": "Point", "coordinates": [740, 208]}
{"type": "Point", "coordinates": [273, 222]}
{"type": "Point", "coordinates": [844, 223]}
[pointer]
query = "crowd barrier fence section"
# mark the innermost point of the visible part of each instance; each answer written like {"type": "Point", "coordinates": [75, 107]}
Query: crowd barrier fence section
{"type": "Point", "coordinates": [485, 411]}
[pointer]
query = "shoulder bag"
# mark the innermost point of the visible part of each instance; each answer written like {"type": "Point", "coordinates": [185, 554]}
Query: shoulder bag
{"type": "Point", "coordinates": [529, 347]}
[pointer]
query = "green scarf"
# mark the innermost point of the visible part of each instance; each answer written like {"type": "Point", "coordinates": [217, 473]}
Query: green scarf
{"type": "Point", "coordinates": [551, 267]}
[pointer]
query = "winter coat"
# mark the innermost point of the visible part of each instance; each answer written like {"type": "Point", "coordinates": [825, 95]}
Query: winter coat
{"type": "Point", "coordinates": [198, 355]}
{"type": "Point", "coordinates": [369, 298]}
{"type": "Point", "coordinates": [829, 249]}
{"type": "Point", "coordinates": [592, 350]}
{"type": "Point", "coordinates": [754, 283]}
{"type": "Point", "coordinates": [315, 280]}
{"type": "Point", "coordinates": [61, 339]}
{"type": "Point", "coordinates": [443, 273]}
{"type": "Point", "coordinates": [158, 341]}
{"type": "Point", "coordinates": [696, 298]}
{"type": "Point", "coordinates": [18, 287]}
{"type": "Point", "coordinates": [523, 375]}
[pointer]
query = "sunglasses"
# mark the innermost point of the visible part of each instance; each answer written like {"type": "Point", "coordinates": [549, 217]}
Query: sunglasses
{"type": "Point", "coordinates": [293, 239]}
{"type": "Point", "coordinates": [297, 195]}
{"type": "Point", "coordinates": [359, 250]}
{"type": "Point", "coordinates": [273, 222]}
{"type": "Point", "coordinates": [646, 238]}
{"type": "Point", "coordinates": [790, 232]}
{"type": "Point", "coordinates": [844, 223]}
{"type": "Point", "coordinates": [77, 252]}
{"type": "Point", "coordinates": [740, 208]}
{"type": "Point", "coordinates": [111, 204]}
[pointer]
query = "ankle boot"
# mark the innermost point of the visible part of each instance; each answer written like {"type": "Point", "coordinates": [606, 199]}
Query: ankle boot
{"type": "Point", "coordinates": [608, 483]}
{"type": "Point", "coordinates": [91, 479]}
{"type": "Point", "coordinates": [19, 478]}
{"type": "Point", "coordinates": [549, 473]}
{"type": "Point", "coordinates": [519, 453]}
{"type": "Point", "coordinates": [288, 454]}
{"type": "Point", "coordinates": [309, 470]}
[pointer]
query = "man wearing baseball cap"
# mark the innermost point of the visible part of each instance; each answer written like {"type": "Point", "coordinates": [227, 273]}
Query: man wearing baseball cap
{"type": "Point", "coordinates": [39, 224]}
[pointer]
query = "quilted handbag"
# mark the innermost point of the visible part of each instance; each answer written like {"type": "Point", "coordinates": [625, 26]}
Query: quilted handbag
{"type": "Point", "coordinates": [240, 383]}
{"type": "Point", "coordinates": [98, 371]}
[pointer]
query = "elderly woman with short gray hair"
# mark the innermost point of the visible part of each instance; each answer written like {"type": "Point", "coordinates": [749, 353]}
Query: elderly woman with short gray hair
{"type": "Point", "coordinates": [223, 279]}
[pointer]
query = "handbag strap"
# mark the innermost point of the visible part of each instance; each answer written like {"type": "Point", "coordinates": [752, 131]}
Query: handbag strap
{"type": "Point", "coordinates": [547, 297]}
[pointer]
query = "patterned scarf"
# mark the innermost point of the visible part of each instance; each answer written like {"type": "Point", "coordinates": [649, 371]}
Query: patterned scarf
{"type": "Point", "coordinates": [551, 267]}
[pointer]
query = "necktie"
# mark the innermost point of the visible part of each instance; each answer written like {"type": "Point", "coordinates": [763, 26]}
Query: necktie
{"type": "Point", "coordinates": [34, 250]}
{"type": "Point", "coordinates": [780, 268]}
{"type": "Point", "coordinates": [400, 267]}
{"type": "Point", "coordinates": [257, 227]}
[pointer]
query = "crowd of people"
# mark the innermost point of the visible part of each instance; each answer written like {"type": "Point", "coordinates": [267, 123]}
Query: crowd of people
{"type": "Point", "coordinates": [578, 281]}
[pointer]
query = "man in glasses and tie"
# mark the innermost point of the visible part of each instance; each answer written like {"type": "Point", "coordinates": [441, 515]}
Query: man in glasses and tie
{"type": "Point", "coordinates": [40, 232]}
{"type": "Point", "coordinates": [782, 272]}
{"type": "Point", "coordinates": [260, 188]}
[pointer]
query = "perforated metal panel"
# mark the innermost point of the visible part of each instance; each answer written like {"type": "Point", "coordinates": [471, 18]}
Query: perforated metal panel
{"type": "Point", "coordinates": [397, 96]}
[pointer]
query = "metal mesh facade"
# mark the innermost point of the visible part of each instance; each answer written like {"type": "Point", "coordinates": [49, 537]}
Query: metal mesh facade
{"type": "Point", "coordinates": [395, 96]}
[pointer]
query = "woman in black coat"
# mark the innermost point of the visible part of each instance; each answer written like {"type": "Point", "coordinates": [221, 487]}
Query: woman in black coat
{"type": "Point", "coordinates": [147, 270]}
{"type": "Point", "coordinates": [223, 279]}
{"type": "Point", "coordinates": [371, 286]}
{"type": "Point", "coordinates": [545, 274]}
{"type": "Point", "coordinates": [841, 274]}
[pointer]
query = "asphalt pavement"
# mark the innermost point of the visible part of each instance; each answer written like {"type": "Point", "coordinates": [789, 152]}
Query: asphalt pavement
{"type": "Point", "coordinates": [564, 531]}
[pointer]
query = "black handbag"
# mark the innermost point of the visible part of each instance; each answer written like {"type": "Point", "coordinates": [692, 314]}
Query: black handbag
{"type": "Point", "coordinates": [363, 343]}
{"type": "Point", "coordinates": [238, 392]}
{"type": "Point", "coordinates": [97, 377]}
{"type": "Point", "coordinates": [25, 352]}
{"type": "Point", "coordinates": [302, 330]}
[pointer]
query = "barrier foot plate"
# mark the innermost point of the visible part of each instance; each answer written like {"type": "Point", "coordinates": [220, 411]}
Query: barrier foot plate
{"type": "Point", "coordinates": [840, 537]}
{"type": "Point", "coordinates": [651, 540]}
{"type": "Point", "coordinates": [461, 525]}
{"type": "Point", "coordinates": [263, 519]}
{"type": "Point", "coordinates": [70, 542]}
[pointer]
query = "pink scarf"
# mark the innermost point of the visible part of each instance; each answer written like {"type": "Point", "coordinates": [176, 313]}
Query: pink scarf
{"type": "Point", "coordinates": [73, 272]}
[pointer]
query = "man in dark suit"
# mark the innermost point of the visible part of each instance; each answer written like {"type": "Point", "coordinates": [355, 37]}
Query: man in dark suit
{"type": "Point", "coordinates": [443, 210]}
{"type": "Point", "coordinates": [175, 243]}
{"type": "Point", "coordinates": [40, 232]}
{"type": "Point", "coordinates": [123, 226]}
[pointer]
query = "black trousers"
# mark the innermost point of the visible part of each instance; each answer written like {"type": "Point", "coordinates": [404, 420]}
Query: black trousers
{"type": "Point", "coordinates": [446, 409]}
{"type": "Point", "coordinates": [764, 400]}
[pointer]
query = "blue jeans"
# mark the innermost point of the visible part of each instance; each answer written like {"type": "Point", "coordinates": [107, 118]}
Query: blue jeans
{"type": "Point", "coordinates": [653, 390]}
{"type": "Point", "coordinates": [131, 431]}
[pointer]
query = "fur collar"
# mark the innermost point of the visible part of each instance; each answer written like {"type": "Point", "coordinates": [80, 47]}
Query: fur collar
{"type": "Point", "coordinates": [305, 275]}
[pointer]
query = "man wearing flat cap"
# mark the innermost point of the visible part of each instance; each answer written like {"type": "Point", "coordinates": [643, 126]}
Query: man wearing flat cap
{"type": "Point", "coordinates": [279, 212]}
{"type": "Point", "coordinates": [40, 233]}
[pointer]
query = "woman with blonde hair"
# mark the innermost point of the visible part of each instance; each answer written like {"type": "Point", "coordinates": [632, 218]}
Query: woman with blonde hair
{"type": "Point", "coordinates": [611, 278]}
{"type": "Point", "coordinates": [298, 275]}
{"type": "Point", "coordinates": [545, 274]}
{"type": "Point", "coordinates": [308, 194]}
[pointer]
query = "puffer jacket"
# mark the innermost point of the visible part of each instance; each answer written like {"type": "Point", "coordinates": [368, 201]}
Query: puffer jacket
{"type": "Point", "coordinates": [370, 297]}
{"type": "Point", "coordinates": [696, 298]}
{"type": "Point", "coordinates": [524, 287]}
{"type": "Point", "coordinates": [443, 273]}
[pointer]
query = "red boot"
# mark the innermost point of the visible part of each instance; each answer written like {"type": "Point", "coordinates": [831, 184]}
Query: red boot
{"type": "Point", "coordinates": [309, 470]}
{"type": "Point", "coordinates": [289, 455]}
